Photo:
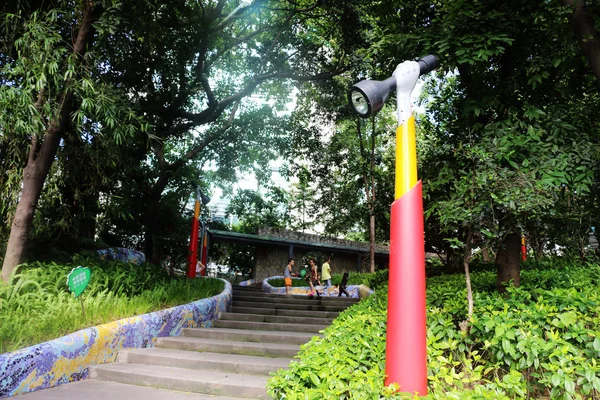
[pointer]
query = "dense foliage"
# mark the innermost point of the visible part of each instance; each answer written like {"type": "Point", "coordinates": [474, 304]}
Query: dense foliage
{"type": "Point", "coordinates": [156, 95]}
{"type": "Point", "coordinates": [542, 340]}
{"type": "Point", "coordinates": [39, 306]}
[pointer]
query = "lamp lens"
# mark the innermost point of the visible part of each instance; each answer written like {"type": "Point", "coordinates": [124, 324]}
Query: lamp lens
{"type": "Point", "coordinates": [359, 102]}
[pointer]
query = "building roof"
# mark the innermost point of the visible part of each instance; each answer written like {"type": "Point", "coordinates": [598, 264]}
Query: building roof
{"type": "Point", "coordinates": [246, 238]}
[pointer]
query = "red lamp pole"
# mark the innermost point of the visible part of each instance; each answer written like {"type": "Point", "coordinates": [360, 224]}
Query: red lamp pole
{"type": "Point", "coordinates": [406, 343]}
{"type": "Point", "coordinates": [406, 346]}
{"type": "Point", "coordinates": [193, 248]}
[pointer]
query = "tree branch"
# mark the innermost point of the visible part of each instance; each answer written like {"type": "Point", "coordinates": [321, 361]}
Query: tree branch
{"type": "Point", "coordinates": [587, 36]}
{"type": "Point", "coordinates": [158, 150]}
{"type": "Point", "coordinates": [202, 145]}
{"type": "Point", "coordinates": [211, 114]}
{"type": "Point", "coordinates": [34, 139]}
{"type": "Point", "coordinates": [238, 10]}
{"type": "Point", "coordinates": [58, 126]}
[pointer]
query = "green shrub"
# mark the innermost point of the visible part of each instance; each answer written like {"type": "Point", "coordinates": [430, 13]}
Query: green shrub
{"type": "Point", "coordinates": [281, 283]}
{"type": "Point", "coordinates": [540, 341]}
{"type": "Point", "coordinates": [39, 307]}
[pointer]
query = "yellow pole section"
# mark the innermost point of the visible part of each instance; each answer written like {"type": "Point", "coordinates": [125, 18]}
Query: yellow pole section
{"type": "Point", "coordinates": [406, 157]}
{"type": "Point", "coordinates": [197, 209]}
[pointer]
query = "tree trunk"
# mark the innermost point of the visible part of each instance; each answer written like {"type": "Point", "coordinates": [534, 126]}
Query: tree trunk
{"type": "Point", "coordinates": [86, 228]}
{"type": "Point", "coordinates": [153, 248]}
{"type": "Point", "coordinates": [372, 247]}
{"type": "Point", "coordinates": [39, 163]}
{"type": "Point", "coordinates": [508, 262]}
{"type": "Point", "coordinates": [466, 258]}
{"type": "Point", "coordinates": [587, 36]}
{"type": "Point", "coordinates": [539, 250]}
{"type": "Point", "coordinates": [153, 239]}
{"type": "Point", "coordinates": [485, 253]}
{"type": "Point", "coordinates": [33, 181]}
{"type": "Point", "coordinates": [464, 326]}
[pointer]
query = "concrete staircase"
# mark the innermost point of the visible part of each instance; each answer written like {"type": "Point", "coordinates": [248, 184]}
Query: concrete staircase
{"type": "Point", "coordinates": [233, 360]}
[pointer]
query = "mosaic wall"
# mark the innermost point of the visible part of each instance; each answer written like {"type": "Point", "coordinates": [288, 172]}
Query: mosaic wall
{"type": "Point", "coordinates": [122, 254]}
{"type": "Point", "coordinates": [357, 291]}
{"type": "Point", "coordinates": [67, 359]}
{"type": "Point", "coordinates": [249, 282]}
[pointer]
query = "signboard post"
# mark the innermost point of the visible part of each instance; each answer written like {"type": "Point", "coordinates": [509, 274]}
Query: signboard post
{"type": "Point", "coordinates": [77, 281]}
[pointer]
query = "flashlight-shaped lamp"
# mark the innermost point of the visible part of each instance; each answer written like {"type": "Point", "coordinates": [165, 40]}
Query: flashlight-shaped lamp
{"type": "Point", "coordinates": [406, 344]}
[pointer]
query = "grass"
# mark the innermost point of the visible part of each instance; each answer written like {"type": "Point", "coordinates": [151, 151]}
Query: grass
{"type": "Point", "coordinates": [38, 306]}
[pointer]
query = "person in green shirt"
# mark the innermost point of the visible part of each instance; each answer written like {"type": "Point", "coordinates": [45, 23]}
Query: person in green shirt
{"type": "Point", "coordinates": [326, 273]}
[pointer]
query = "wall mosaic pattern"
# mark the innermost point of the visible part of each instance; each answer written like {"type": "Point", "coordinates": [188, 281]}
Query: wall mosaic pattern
{"type": "Point", "coordinates": [356, 291]}
{"type": "Point", "coordinates": [67, 359]}
{"type": "Point", "coordinates": [249, 282]}
{"type": "Point", "coordinates": [122, 254]}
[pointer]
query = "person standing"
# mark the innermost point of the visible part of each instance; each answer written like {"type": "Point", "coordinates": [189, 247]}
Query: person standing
{"type": "Point", "coordinates": [326, 273]}
{"type": "Point", "coordinates": [287, 275]}
{"type": "Point", "coordinates": [343, 285]}
{"type": "Point", "coordinates": [313, 277]}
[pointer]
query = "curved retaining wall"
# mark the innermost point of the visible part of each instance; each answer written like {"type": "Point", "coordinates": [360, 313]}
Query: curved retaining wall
{"type": "Point", "coordinates": [67, 359]}
{"type": "Point", "coordinates": [249, 282]}
{"type": "Point", "coordinates": [353, 290]}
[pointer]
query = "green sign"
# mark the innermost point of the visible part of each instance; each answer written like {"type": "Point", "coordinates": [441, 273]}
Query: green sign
{"type": "Point", "coordinates": [78, 280]}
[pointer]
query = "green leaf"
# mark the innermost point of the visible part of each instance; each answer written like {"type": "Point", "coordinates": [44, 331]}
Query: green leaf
{"type": "Point", "coordinates": [569, 318]}
{"type": "Point", "coordinates": [597, 344]}
{"type": "Point", "coordinates": [569, 386]}
{"type": "Point", "coordinates": [556, 379]}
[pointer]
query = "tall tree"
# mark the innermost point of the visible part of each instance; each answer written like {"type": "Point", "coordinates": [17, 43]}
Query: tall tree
{"type": "Point", "coordinates": [194, 68]}
{"type": "Point", "coordinates": [50, 89]}
{"type": "Point", "coordinates": [584, 19]}
{"type": "Point", "coordinates": [511, 108]}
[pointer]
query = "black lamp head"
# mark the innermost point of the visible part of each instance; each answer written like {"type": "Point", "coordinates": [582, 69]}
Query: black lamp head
{"type": "Point", "coordinates": [368, 97]}
{"type": "Point", "coordinates": [205, 198]}
{"type": "Point", "coordinates": [199, 195]}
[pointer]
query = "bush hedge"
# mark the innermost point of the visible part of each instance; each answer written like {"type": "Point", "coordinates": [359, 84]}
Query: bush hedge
{"type": "Point", "coordinates": [38, 306]}
{"type": "Point", "coordinates": [542, 340]}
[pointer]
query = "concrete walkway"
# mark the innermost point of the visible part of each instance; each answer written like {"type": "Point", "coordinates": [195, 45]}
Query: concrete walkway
{"type": "Point", "coordinates": [232, 361]}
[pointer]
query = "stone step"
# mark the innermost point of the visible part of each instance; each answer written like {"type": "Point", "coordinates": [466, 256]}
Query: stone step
{"type": "Point", "coordinates": [300, 307]}
{"type": "Point", "coordinates": [305, 301]}
{"type": "Point", "coordinates": [253, 288]}
{"type": "Point", "coordinates": [229, 346]}
{"type": "Point", "coordinates": [239, 364]}
{"type": "Point", "coordinates": [249, 336]}
{"type": "Point", "coordinates": [267, 326]}
{"type": "Point", "coordinates": [275, 319]}
{"type": "Point", "coordinates": [208, 382]}
{"type": "Point", "coordinates": [290, 313]}
{"type": "Point", "coordinates": [92, 389]}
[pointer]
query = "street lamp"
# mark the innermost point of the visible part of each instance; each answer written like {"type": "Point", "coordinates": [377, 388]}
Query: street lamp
{"type": "Point", "coordinates": [406, 342]}
{"type": "Point", "coordinates": [193, 248]}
